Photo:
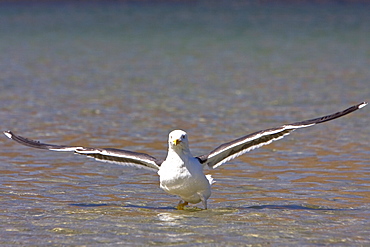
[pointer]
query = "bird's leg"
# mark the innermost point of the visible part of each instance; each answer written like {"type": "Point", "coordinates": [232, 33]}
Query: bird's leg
{"type": "Point", "coordinates": [204, 201]}
{"type": "Point", "coordinates": [181, 205]}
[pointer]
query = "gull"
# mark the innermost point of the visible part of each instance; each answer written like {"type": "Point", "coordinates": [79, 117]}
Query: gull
{"type": "Point", "coordinates": [181, 173]}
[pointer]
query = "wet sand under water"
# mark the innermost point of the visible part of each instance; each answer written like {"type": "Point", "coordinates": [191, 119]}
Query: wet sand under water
{"type": "Point", "coordinates": [117, 75]}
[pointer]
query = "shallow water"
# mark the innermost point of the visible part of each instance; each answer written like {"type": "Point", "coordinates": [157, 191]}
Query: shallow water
{"type": "Point", "coordinates": [124, 75]}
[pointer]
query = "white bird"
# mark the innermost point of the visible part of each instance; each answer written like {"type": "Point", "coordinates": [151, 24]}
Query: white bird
{"type": "Point", "coordinates": [181, 173]}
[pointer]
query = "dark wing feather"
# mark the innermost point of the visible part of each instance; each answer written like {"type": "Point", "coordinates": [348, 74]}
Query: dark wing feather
{"type": "Point", "coordinates": [122, 157]}
{"type": "Point", "coordinates": [233, 149]}
{"type": "Point", "coordinates": [118, 156]}
{"type": "Point", "coordinates": [37, 144]}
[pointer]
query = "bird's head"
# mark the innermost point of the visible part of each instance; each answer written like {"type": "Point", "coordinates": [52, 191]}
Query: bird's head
{"type": "Point", "coordinates": [178, 139]}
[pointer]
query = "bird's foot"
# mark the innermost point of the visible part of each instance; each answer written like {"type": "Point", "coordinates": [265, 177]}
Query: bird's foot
{"type": "Point", "coordinates": [182, 205]}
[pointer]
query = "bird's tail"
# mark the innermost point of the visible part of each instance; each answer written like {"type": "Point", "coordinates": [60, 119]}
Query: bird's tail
{"type": "Point", "coordinates": [210, 179]}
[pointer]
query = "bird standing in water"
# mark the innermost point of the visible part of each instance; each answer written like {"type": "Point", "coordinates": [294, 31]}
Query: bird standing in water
{"type": "Point", "coordinates": [181, 173]}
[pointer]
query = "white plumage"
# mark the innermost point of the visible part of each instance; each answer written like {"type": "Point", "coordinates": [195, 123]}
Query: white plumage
{"type": "Point", "coordinates": [182, 174]}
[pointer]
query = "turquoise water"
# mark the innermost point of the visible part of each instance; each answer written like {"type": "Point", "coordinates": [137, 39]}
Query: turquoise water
{"type": "Point", "coordinates": [123, 75]}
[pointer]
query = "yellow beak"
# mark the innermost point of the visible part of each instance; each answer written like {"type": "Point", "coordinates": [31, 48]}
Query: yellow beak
{"type": "Point", "coordinates": [176, 142]}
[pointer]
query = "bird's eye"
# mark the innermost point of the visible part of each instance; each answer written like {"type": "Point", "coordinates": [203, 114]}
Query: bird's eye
{"type": "Point", "coordinates": [183, 137]}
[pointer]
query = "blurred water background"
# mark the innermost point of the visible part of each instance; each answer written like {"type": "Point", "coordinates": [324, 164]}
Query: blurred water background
{"type": "Point", "coordinates": [124, 74]}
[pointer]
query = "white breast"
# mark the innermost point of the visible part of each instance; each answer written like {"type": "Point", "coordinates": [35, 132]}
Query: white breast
{"type": "Point", "coordinates": [183, 176]}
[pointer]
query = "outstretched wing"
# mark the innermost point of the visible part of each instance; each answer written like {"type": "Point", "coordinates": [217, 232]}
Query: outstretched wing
{"type": "Point", "coordinates": [233, 149]}
{"type": "Point", "coordinates": [122, 157]}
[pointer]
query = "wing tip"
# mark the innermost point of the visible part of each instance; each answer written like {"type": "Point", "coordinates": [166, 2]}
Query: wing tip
{"type": "Point", "coordinates": [362, 105]}
{"type": "Point", "coordinates": [8, 134]}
